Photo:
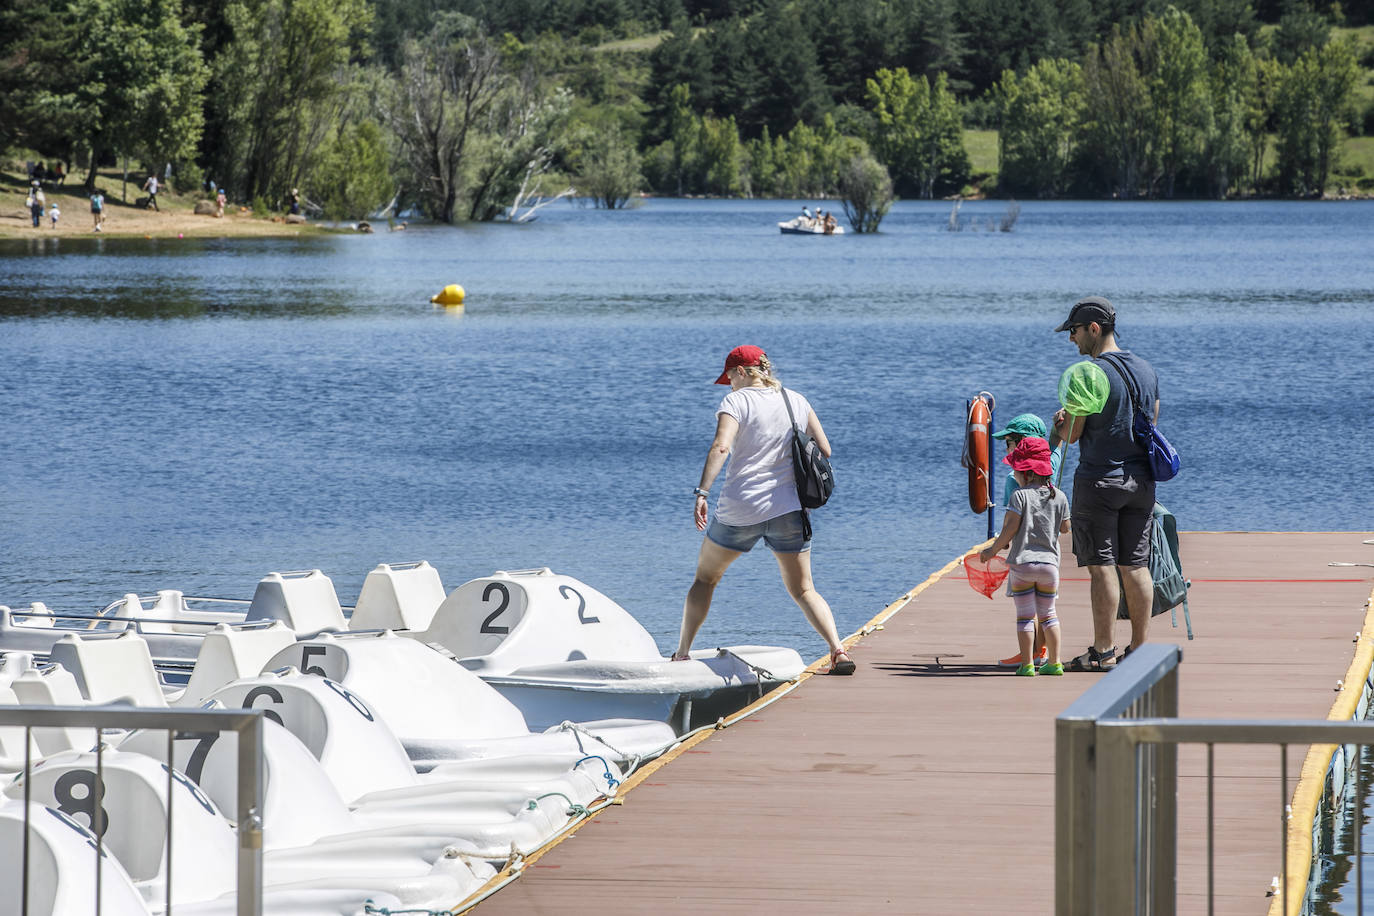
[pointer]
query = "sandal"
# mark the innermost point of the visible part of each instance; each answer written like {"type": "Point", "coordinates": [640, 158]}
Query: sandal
{"type": "Point", "coordinates": [1092, 660]}
{"type": "Point", "coordinates": [680, 658]}
{"type": "Point", "coordinates": [841, 663]}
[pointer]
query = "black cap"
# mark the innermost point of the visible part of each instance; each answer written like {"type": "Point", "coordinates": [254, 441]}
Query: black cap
{"type": "Point", "coordinates": [1090, 309]}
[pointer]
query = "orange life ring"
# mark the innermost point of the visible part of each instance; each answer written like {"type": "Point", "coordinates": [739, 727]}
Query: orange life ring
{"type": "Point", "coordinates": [978, 454]}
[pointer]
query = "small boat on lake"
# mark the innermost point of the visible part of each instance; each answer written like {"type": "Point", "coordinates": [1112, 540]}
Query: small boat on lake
{"type": "Point", "coordinates": [803, 225]}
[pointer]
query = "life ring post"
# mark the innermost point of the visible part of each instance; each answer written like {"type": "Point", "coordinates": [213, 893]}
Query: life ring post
{"type": "Point", "coordinates": [977, 457]}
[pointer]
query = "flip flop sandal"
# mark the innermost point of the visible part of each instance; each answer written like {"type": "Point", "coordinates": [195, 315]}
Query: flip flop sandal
{"type": "Point", "coordinates": [1092, 660]}
{"type": "Point", "coordinates": [841, 663]}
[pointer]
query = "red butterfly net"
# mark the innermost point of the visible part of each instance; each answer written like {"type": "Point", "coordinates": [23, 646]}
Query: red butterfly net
{"type": "Point", "coordinates": [985, 577]}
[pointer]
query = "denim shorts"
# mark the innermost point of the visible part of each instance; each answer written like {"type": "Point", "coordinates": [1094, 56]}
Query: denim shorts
{"type": "Point", "coordinates": [782, 534]}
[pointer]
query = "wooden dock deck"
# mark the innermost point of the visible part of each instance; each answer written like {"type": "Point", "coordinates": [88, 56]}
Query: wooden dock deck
{"type": "Point", "coordinates": [915, 789]}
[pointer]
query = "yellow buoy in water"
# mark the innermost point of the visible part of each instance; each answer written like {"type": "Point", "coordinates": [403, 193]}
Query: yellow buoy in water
{"type": "Point", "coordinates": [450, 295]}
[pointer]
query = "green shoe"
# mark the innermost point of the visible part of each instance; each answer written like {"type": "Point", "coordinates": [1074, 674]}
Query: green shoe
{"type": "Point", "coordinates": [1026, 670]}
{"type": "Point", "coordinates": [1053, 669]}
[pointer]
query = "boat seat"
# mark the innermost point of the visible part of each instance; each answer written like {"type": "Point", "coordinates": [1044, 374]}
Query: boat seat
{"type": "Point", "coordinates": [111, 669]}
{"type": "Point", "coordinates": [230, 653]}
{"type": "Point", "coordinates": [436, 700]}
{"type": "Point", "coordinates": [12, 738]}
{"type": "Point", "coordinates": [52, 685]}
{"type": "Point", "coordinates": [513, 620]}
{"type": "Point", "coordinates": [356, 747]}
{"type": "Point", "coordinates": [37, 616]}
{"type": "Point", "coordinates": [134, 802]}
{"type": "Point", "coordinates": [61, 878]}
{"type": "Point", "coordinates": [398, 596]}
{"type": "Point", "coordinates": [305, 601]}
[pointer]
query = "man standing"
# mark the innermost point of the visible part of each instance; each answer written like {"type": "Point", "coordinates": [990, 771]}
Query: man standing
{"type": "Point", "coordinates": [1113, 490]}
{"type": "Point", "coordinates": [151, 187]}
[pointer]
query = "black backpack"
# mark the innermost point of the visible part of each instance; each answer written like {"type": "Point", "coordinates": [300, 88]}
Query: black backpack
{"type": "Point", "coordinates": [815, 479]}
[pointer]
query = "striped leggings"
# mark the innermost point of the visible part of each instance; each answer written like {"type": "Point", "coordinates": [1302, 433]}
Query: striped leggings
{"type": "Point", "coordinates": [1033, 588]}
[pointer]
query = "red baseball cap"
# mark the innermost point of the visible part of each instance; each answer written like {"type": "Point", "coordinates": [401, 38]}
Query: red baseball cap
{"type": "Point", "coordinates": [747, 355]}
{"type": "Point", "coordinates": [1031, 454]}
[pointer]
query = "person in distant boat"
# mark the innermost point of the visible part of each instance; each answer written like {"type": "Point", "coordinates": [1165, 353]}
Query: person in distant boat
{"type": "Point", "coordinates": [1113, 489]}
{"type": "Point", "coordinates": [758, 498]}
{"type": "Point", "coordinates": [1036, 515]}
{"type": "Point", "coordinates": [1021, 427]}
{"type": "Point", "coordinates": [830, 223]}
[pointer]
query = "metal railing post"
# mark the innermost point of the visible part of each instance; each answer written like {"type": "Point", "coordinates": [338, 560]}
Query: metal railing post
{"type": "Point", "coordinates": [1163, 854]}
{"type": "Point", "coordinates": [1074, 790]}
{"type": "Point", "coordinates": [1115, 823]}
{"type": "Point", "coordinates": [250, 819]}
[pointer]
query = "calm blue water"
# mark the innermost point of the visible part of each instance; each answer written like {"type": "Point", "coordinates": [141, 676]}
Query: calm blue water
{"type": "Point", "coordinates": [194, 414]}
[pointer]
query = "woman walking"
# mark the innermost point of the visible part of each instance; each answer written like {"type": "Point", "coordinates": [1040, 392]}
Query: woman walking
{"type": "Point", "coordinates": [759, 497]}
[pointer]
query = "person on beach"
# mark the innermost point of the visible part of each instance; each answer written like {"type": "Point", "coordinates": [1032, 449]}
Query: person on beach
{"type": "Point", "coordinates": [1023, 426]}
{"type": "Point", "coordinates": [36, 203]}
{"type": "Point", "coordinates": [151, 187]}
{"type": "Point", "coordinates": [1113, 490]}
{"type": "Point", "coordinates": [759, 497]}
{"type": "Point", "coordinates": [1036, 515]}
{"type": "Point", "coordinates": [54, 213]}
{"type": "Point", "coordinates": [219, 203]}
{"type": "Point", "coordinates": [97, 210]}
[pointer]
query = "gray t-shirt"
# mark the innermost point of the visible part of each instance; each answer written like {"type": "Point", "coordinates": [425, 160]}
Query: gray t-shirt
{"type": "Point", "coordinates": [1042, 510]}
{"type": "Point", "coordinates": [1107, 448]}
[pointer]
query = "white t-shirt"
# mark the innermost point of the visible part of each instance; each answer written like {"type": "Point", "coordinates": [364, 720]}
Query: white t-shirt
{"type": "Point", "coordinates": [759, 482]}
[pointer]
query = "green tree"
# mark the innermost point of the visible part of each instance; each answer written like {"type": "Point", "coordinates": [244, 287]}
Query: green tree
{"type": "Point", "coordinates": [447, 85]}
{"type": "Point", "coordinates": [297, 52]}
{"type": "Point", "coordinates": [515, 144]}
{"type": "Point", "coordinates": [1235, 86]}
{"type": "Point", "coordinates": [918, 131]}
{"type": "Point", "coordinates": [353, 178]}
{"type": "Point", "coordinates": [1180, 95]}
{"type": "Point", "coordinates": [1119, 128]}
{"type": "Point", "coordinates": [722, 157]}
{"type": "Point", "coordinates": [1313, 102]}
{"type": "Point", "coordinates": [608, 169]}
{"type": "Point", "coordinates": [865, 192]}
{"type": "Point", "coordinates": [1039, 120]}
{"type": "Point", "coordinates": [133, 81]}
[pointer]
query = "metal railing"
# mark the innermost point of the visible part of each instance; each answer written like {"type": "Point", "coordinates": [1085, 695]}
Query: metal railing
{"type": "Point", "coordinates": [246, 725]}
{"type": "Point", "coordinates": [1116, 788]}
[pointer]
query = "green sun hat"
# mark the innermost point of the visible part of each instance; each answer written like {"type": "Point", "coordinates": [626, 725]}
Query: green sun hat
{"type": "Point", "coordinates": [1025, 424]}
{"type": "Point", "coordinates": [1083, 388]}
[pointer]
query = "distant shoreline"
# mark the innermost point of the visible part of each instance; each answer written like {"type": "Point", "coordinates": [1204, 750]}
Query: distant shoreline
{"type": "Point", "coordinates": [175, 219]}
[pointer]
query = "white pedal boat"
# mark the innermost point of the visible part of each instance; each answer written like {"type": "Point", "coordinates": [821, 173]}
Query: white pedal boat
{"type": "Point", "coordinates": [800, 225]}
{"type": "Point", "coordinates": [559, 649]}
{"type": "Point", "coordinates": [133, 805]}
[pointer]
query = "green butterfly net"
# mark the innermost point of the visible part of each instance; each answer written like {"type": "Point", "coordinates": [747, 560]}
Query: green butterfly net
{"type": "Point", "coordinates": [1083, 388]}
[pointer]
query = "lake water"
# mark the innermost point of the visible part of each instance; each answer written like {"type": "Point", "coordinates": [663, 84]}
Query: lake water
{"type": "Point", "coordinates": [193, 414]}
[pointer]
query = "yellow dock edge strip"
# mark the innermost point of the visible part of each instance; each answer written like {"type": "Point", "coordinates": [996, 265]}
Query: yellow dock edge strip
{"type": "Point", "coordinates": [692, 739]}
{"type": "Point", "coordinates": [1312, 779]}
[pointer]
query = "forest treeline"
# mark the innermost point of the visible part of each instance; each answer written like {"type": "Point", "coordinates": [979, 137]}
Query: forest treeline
{"type": "Point", "coordinates": [480, 109]}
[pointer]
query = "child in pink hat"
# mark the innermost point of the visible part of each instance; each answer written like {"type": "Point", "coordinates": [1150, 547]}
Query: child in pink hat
{"type": "Point", "coordinates": [1037, 514]}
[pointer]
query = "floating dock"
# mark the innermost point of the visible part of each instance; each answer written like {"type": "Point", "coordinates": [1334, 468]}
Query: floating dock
{"type": "Point", "coordinates": [925, 784]}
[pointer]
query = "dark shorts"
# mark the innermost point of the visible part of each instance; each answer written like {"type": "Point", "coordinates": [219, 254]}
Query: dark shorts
{"type": "Point", "coordinates": [1111, 520]}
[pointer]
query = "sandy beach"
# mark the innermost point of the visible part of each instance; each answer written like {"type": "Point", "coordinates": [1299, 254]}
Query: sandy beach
{"type": "Point", "coordinates": [175, 219]}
